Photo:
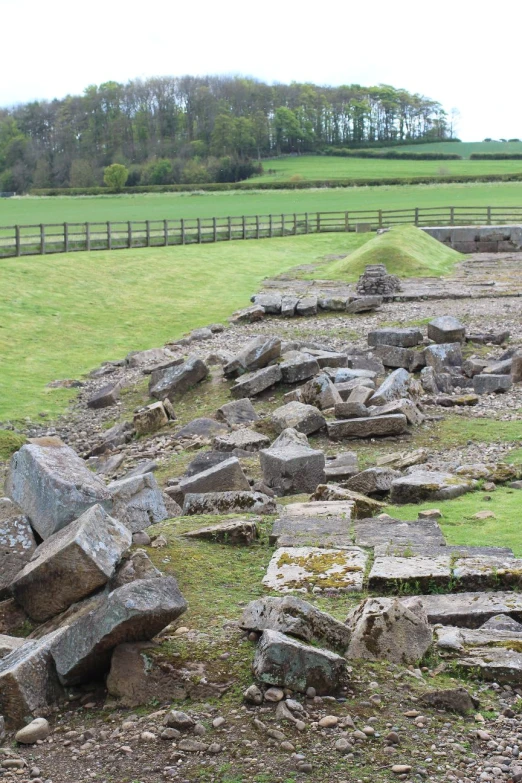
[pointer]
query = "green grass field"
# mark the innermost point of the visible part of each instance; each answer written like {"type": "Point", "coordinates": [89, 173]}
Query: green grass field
{"type": "Point", "coordinates": [464, 148]}
{"type": "Point", "coordinates": [159, 206]}
{"type": "Point", "coordinates": [60, 316]}
{"type": "Point", "coordinates": [316, 167]}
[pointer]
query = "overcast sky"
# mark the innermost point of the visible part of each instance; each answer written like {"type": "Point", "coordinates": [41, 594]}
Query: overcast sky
{"type": "Point", "coordinates": [462, 53]}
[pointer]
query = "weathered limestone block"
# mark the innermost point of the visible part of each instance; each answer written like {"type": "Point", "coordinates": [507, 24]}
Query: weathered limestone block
{"type": "Point", "coordinates": [236, 531]}
{"type": "Point", "coordinates": [364, 304]}
{"type": "Point", "coordinates": [175, 381]}
{"type": "Point", "coordinates": [350, 410]}
{"type": "Point", "coordinates": [393, 356]}
{"type": "Point", "coordinates": [401, 338]}
{"type": "Point", "coordinates": [258, 353]}
{"type": "Point", "coordinates": [9, 644]}
{"type": "Point", "coordinates": [224, 477]}
{"type": "Point", "coordinates": [404, 406]}
{"type": "Point", "coordinates": [295, 568]}
{"type": "Point", "coordinates": [446, 329]}
{"type": "Point", "coordinates": [283, 661]}
{"type": "Point", "coordinates": [288, 305]}
{"type": "Point", "coordinates": [104, 397]}
{"type": "Point", "coordinates": [295, 617]}
{"type": "Point", "coordinates": [373, 481]}
{"type": "Point", "coordinates": [52, 485]}
{"type": "Point", "coordinates": [428, 485]}
{"type": "Point", "coordinates": [150, 419]}
{"type": "Point", "coordinates": [291, 466]}
{"type": "Point", "coordinates": [228, 503]}
{"type": "Point", "coordinates": [488, 572]}
{"type": "Point", "coordinates": [328, 358]}
{"type": "Point", "coordinates": [325, 530]}
{"type": "Point", "coordinates": [248, 315]}
{"type": "Point", "coordinates": [237, 412]}
{"type": "Point", "coordinates": [151, 356]}
{"type": "Point", "coordinates": [470, 610]}
{"type": "Point", "coordinates": [135, 612]}
{"type": "Point", "coordinates": [443, 356]}
{"type": "Point", "coordinates": [321, 392]}
{"type": "Point", "coordinates": [385, 629]}
{"type": "Point", "coordinates": [271, 303]}
{"type": "Point", "coordinates": [298, 366]}
{"type": "Point", "coordinates": [345, 389]}
{"type": "Point", "coordinates": [342, 467]}
{"type": "Point", "coordinates": [201, 428]}
{"type": "Point", "coordinates": [424, 572]}
{"type": "Point", "coordinates": [17, 542]}
{"type": "Point", "coordinates": [502, 367]}
{"type": "Point", "coordinates": [363, 505]}
{"type": "Point", "coordinates": [256, 382]}
{"type": "Point", "coordinates": [307, 305]}
{"type": "Point", "coordinates": [243, 440]}
{"type": "Point", "coordinates": [134, 566]}
{"type": "Point", "coordinates": [28, 681]}
{"type": "Point", "coordinates": [138, 501]}
{"type": "Point", "coordinates": [491, 384]}
{"type": "Point", "coordinates": [71, 564]}
{"type": "Point", "coordinates": [298, 416]}
{"type": "Point", "coordinates": [332, 303]}
{"type": "Point", "coordinates": [395, 537]}
{"type": "Point", "coordinates": [396, 386]}
{"type": "Point", "coordinates": [369, 427]}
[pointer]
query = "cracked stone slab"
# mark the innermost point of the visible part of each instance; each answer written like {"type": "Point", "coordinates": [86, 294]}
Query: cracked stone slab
{"type": "Point", "coordinates": [423, 573]}
{"type": "Point", "coordinates": [325, 531]}
{"type": "Point", "coordinates": [488, 571]}
{"type": "Point", "coordinates": [392, 533]}
{"type": "Point", "coordinates": [470, 610]}
{"type": "Point", "coordinates": [306, 568]}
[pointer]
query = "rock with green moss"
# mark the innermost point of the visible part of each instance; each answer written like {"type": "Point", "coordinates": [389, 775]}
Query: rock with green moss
{"type": "Point", "coordinates": [423, 485]}
{"type": "Point", "coordinates": [199, 503]}
{"type": "Point", "coordinates": [281, 660]}
{"type": "Point", "coordinates": [316, 568]}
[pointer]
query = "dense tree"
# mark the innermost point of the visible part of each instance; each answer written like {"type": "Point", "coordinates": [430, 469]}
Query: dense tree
{"type": "Point", "coordinates": [156, 127]}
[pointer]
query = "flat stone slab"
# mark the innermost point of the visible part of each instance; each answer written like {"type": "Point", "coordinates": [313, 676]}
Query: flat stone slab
{"type": "Point", "coordinates": [236, 531]}
{"type": "Point", "coordinates": [394, 533]}
{"type": "Point", "coordinates": [344, 466]}
{"type": "Point", "coordinates": [428, 485]}
{"type": "Point", "coordinates": [470, 610]}
{"type": "Point", "coordinates": [479, 637]}
{"type": "Point", "coordinates": [325, 531]}
{"type": "Point", "coordinates": [379, 426]}
{"type": "Point", "coordinates": [226, 476]}
{"type": "Point", "coordinates": [306, 568]}
{"type": "Point", "coordinates": [488, 571]}
{"type": "Point", "coordinates": [407, 337]}
{"type": "Point", "coordinates": [494, 664]}
{"type": "Point", "coordinates": [228, 503]}
{"type": "Point", "coordinates": [342, 509]}
{"type": "Point", "coordinates": [254, 383]}
{"type": "Point", "coordinates": [423, 573]}
{"type": "Point", "coordinates": [237, 412]}
{"type": "Point", "coordinates": [245, 440]}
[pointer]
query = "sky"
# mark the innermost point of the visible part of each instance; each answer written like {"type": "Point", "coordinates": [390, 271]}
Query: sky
{"type": "Point", "coordinates": [463, 53]}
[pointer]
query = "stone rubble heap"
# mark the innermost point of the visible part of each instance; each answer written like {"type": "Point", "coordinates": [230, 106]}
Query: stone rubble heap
{"type": "Point", "coordinates": [375, 281]}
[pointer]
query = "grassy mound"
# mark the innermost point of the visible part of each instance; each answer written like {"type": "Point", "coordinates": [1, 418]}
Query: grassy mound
{"type": "Point", "coordinates": [407, 251]}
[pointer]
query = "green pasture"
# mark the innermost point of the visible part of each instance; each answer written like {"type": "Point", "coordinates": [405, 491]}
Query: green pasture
{"type": "Point", "coordinates": [465, 148]}
{"type": "Point", "coordinates": [172, 206]}
{"type": "Point", "coordinates": [61, 315]}
{"type": "Point", "coordinates": [316, 167]}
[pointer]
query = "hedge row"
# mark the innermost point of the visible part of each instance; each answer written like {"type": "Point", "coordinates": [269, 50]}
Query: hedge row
{"type": "Point", "coordinates": [495, 156]}
{"type": "Point", "coordinates": [391, 154]}
{"type": "Point", "coordinates": [300, 185]}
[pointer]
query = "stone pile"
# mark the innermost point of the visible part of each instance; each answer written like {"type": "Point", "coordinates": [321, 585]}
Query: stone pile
{"type": "Point", "coordinates": [80, 587]}
{"type": "Point", "coordinates": [375, 281]}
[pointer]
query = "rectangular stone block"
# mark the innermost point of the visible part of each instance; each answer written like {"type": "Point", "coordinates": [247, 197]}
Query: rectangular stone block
{"type": "Point", "coordinates": [225, 476]}
{"type": "Point", "coordinates": [254, 383]}
{"type": "Point", "coordinates": [470, 610]}
{"type": "Point", "coordinates": [295, 568]}
{"type": "Point", "coordinates": [402, 338]}
{"type": "Point", "coordinates": [488, 572]}
{"type": "Point", "coordinates": [320, 531]}
{"type": "Point", "coordinates": [17, 543]}
{"type": "Point", "coordinates": [418, 572]}
{"type": "Point", "coordinates": [378, 426]}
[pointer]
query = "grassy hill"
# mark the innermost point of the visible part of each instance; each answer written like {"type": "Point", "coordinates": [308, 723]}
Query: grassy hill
{"type": "Point", "coordinates": [464, 148]}
{"type": "Point", "coordinates": [407, 251]}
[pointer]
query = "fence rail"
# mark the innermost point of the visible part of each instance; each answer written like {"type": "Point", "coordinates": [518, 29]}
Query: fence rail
{"type": "Point", "coordinates": [42, 239]}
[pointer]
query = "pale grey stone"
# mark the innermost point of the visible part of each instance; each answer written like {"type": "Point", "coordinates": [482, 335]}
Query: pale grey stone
{"type": "Point", "coordinates": [228, 503]}
{"type": "Point", "coordinates": [258, 353]}
{"type": "Point", "coordinates": [235, 531]}
{"type": "Point", "coordinates": [426, 572]}
{"type": "Point", "coordinates": [491, 384]}
{"type": "Point", "coordinates": [175, 381]}
{"type": "Point", "coordinates": [224, 477]}
{"type": "Point", "coordinates": [291, 466]}
{"type": "Point", "coordinates": [396, 386]}
{"type": "Point", "coordinates": [296, 415]}
{"type": "Point", "coordinates": [138, 501]}
{"type": "Point", "coordinates": [373, 481]}
{"type": "Point", "coordinates": [298, 366]}
{"type": "Point", "coordinates": [243, 440]}
{"type": "Point", "coordinates": [237, 412]}
{"type": "Point", "coordinates": [256, 382]}
{"type": "Point", "coordinates": [402, 338]}
{"type": "Point", "coordinates": [306, 568]}
{"type": "Point", "coordinates": [150, 419]}
{"type": "Point", "coordinates": [470, 610]}
{"type": "Point", "coordinates": [443, 356]}
{"type": "Point", "coordinates": [378, 426]}
{"type": "Point", "coordinates": [422, 485]}
{"type": "Point", "coordinates": [17, 542]}
{"type": "Point", "coordinates": [446, 329]}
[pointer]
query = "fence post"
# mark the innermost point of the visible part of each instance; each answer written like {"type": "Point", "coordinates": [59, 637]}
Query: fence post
{"type": "Point", "coordinates": [346, 221]}
{"type": "Point", "coordinates": [270, 226]}
{"type": "Point", "coordinates": [165, 233]}
{"type": "Point", "coordinates": [129, 233]}
{"type": "Point", "coordinates": [229, 228]}
{"type": "Point", "coordinates": [109, 235]}
{"type": "Point", "coordinates": [42, 239]}
{"type": "Point", "coordinates": [489, 216]}
{"type": "Point", "coordinates": [295, 224]}
{"type": "Point", "coordinates": [147, 230]}
{"type": "Point", "coordinates": [282, 225]}
{"type": "Point", "coordinates": [416, 216]}
{"type": "Point", "coordinates": [199, 231]}
{"type": "Point", "coordinates": [182, 231]}
{"type": "Point", "coordinates": [18, 243]}
{"type": "Point", "coordinates": [306, 222]}
{"type": "Point", "coordinates": [214, 230]}
{"type": "Point", "coordinates": [257, 226]}
{"type": "Point", "coordinates": [452, 216]}
{"type": "Point", "coordinates": [244, 226]}
{"type": "Point", "coordinates": [66, 237]}
{"type": "Point", "coordinates": [380, 218]}
{"type": "Point", "coordinates": [87, 236]}
{"type": "Point", "coordinates": [318, 222]}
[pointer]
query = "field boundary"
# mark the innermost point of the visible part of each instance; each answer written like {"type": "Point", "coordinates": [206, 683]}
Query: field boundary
{"type": "Point", "coordinates": [49, 238]}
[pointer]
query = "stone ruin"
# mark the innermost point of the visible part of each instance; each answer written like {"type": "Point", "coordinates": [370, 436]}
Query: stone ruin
{"type": "Point", "coordinates": [375, 281]}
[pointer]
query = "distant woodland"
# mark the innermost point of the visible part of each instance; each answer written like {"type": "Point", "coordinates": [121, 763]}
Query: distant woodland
{"type": "Point", "coordinates": [200, 129]}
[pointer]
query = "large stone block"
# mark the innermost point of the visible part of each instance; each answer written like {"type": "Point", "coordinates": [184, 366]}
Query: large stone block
{"type": "Point", "coordinates": [492, 384]}
{"type": "Point", "coordinates": [422, 572]}
{"type": "Point", "coordinates": [303, 418]}
{"type": "Point", "coordinates": [235, 531]}
{"type": "Point", "coordinates": [71, 564]}
{"type": "Point", "coordinates": [321, 392]}
{"type": "Point", "coordinates": [258, 353]}
{"type": "Point", "coordinates": [323, 530]}
{"type": "Point", "coordinates": [150, 419]}
{"type": "Point", "coordinates": [242, 440]}
{"type": "Point", "coordinates": [225, 476]}
{"type": "Point", "coordinates": [393, 356]}
{"type": "Point", "coordinates": [17, 542]}
{"type": "Point", "coordinates": [396, 386]}
{"type": "Point", "coordinates": [28, 681]}
{"type": "Point", "coordinates": [290, 466]}
{"type": "Point", "coordinates": [295, 617]}
{"type": "Point", "coordinates": [385, 629]}
{"type": "Point", "coordinates": [201, 428]}
{"type": "Point", "coordinates": [470, 610]}
{"type": "Point", "coordinates": [228, 503]}
{"type": "Point", "coordinates": [364, 304]}
{"type": "Point", "coordinates": [138, 501]}
{"type": "Point", "coordinates": [342, 467]}
{"type": "Point", "coordinates": [283, 661]}
{"type": "Point", "coordinates": [256, 382]}
{"type": "Point", "coordinates": [52, 485]}
{"type": "Point", "coordinates": [132, 613]}
{"type": "Point", "coordinates": [369, 427]}
{"type": "Point", "coordinates": [298, 366]}
{"type": "Point", "coordinates": [363, 506]}
{"type": "Point", "coordinates": [373, 481]}
{"type": "Point", "coordinates": [328, 358]}
{"type": "Point", "coordinates": [237, 412]}
{"type": "Point", "coordinates": [404, 406]}
{"type": "Point", "coordinates": [446, 329]}
{"type": "Point", "coordinates": [428, 485]}
{"type": "Point", "coordinates": [307, 305]}
{"type": "Point", "coordinates": [401, 338]}
{"type": "Point", "coordinates": [309, 568]}
{"type": "Point", "coordinates": [175, 381]}
{"type": "Point", "coordinates": [271, 303]}
{"type": "Point", "coordinates": [443, 356]}
{"type": "Point", "coordinates": [345, 389]}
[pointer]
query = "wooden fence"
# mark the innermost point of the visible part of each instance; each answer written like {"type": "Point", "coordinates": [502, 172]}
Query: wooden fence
{"type": "Point", "coordinates": [67, 237]}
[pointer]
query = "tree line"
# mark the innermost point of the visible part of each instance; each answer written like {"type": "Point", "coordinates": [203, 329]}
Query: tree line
{"type": "Point", "coordinates": [199, 129]}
